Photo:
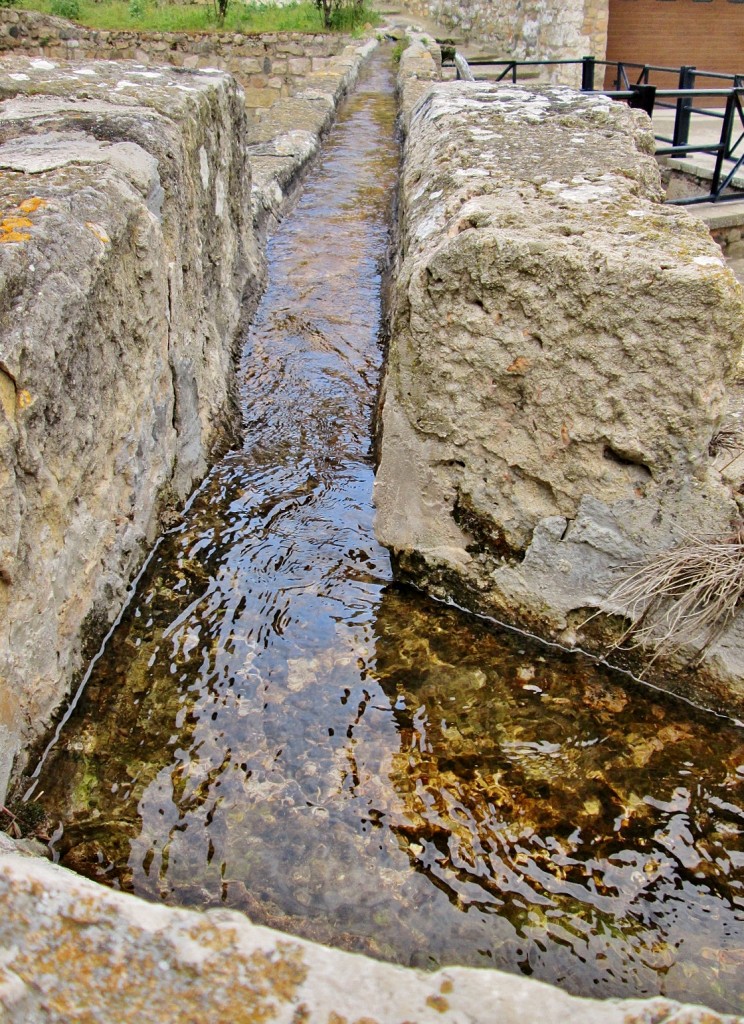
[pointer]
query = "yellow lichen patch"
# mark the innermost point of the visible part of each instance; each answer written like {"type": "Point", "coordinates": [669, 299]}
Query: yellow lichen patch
{"type": "Point", "coordinates": [23, 399]}
{"type": "Point", "coordinates": [10, 235]}
{"type": "Point", "coordinates": [446, 987]}
{"type": "Point", "coordinates": [32, 205]}
{"type": "Point", "coordinates": [438, 1003]}
{"type": "Point", "coordinates": [14, 223]}
{"type": "Point", "coordinates": [98, 232]}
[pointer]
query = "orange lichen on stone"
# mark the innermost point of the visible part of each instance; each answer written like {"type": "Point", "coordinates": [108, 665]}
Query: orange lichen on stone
{"type": "Point", "coordinates": [32, 205]}
{"type": "Point", "coordinates": [519, 366]}
{"type": "Point", "coordinates": [438, 1003]}
{"type": "Point", "coordinates": [13, 223]}
{"type": "Point", "coordinates": [244, 989]}
{"type": "Point", "coordinates": [446, 987]}
{"type": "Point", "coordinates": [10, 235]}
{"type": "Point", "coordinates": [12, 228]}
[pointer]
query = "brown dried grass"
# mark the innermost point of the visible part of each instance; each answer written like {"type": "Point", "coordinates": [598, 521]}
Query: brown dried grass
{"type": "Point", "coordinates": [684, 596]}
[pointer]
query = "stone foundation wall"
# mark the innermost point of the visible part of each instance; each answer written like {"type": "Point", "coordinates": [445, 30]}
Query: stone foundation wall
{"type": "Point", "coordinates": [560, 351]}
{"type": "Point", "coordinates": [540, 29]}
{"type": "Point", "coordinates": [269, 67]}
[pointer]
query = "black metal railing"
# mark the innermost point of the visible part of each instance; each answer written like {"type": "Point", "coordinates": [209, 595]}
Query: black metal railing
{"type": "Point", "coordinates": [728, 152]}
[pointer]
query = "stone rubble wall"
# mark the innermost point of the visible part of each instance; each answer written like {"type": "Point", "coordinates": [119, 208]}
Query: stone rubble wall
{"type": "Point", "coordinates": [560, 350]}
{"type": "Point", "coordinates": [270, 67]}
{"type": "Point", "coordinates": [283, 139]}
{"type": "Point", "coordinates": [536, 30]}
{"type": "Point", "coordinates": [136, 202]}
{"type": "Point", "coordinates": [71, 950]}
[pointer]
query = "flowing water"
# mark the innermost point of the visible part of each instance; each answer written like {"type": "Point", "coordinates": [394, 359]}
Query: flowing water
{"type": "Point", "coordinates": [276, 727]}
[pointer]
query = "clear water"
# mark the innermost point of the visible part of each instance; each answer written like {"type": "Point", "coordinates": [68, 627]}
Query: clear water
{"type": "Point", "coordinates": [276, 727]}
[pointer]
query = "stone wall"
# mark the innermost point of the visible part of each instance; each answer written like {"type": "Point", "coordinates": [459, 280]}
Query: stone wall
{"type": "Point", "coordinates": [269, 67]}
{"type": "Point", "coordinates": [538, 29]}
{"type": "Point", "coordinates": [561, 344]}
{"type": "Point", "coordinates": [126, 250]}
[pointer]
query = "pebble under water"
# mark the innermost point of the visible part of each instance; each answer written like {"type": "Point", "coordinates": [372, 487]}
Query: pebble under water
{"type": "Point", "coordinates": [276, 727]}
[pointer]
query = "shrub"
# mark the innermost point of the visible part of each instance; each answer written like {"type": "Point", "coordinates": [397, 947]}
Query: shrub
{"type": "Point", "coordinates": [69, 9]}
{"type": "Point", "coordinates": [341, 14]}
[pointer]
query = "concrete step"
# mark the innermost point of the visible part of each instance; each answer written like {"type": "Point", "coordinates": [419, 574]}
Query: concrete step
{"type": "Point", "coordinates": [719, 215]}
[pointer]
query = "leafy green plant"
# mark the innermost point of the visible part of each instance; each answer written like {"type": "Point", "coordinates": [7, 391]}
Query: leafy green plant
{"type": "Point", "coordinates": [341, 14]}
{"type": "Point", "coordinates": [8, 3]}
{"type": "Point", "coordinates": [398, 49]}
{"type": "Point", "coordinates": [137, 9]}
{"type": "Point", "coordinates": [69, 9]}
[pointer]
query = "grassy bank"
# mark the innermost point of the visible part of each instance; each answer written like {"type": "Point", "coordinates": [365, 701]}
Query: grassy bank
{"type": "Point", "coordinates": [145, 16]}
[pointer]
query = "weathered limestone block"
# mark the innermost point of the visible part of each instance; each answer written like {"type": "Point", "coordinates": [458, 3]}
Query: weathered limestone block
{"type": "Point", "coordinates": [73, 951]}
{"type": "Point", "coordinates": [560, 347]}
{"type": "Point", "coordinates": [125, 253]}
{"type": "Point", "coordinates": [420, 65]}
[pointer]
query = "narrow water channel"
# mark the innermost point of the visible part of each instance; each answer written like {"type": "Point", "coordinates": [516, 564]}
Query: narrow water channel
{"type": "Point", "coordinates": [277, 727]}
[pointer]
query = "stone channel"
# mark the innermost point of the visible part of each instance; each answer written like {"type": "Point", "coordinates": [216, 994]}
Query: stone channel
{"type": "Point", "coordinates": [276, 727]}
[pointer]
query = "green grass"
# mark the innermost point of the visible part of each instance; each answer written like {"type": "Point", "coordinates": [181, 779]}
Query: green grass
{"type": "Point", "coordinates": [196, 17]}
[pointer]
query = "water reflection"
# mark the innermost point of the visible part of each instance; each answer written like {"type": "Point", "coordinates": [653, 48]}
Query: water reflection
{"type": "Point", "coordinates": [604, 823]}
{"type": "Point", "coordinates": [276, 727]}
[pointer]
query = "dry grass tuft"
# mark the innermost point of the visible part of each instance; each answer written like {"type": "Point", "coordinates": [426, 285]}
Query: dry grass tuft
{"type": "Point", "coordinates": [685, 595]}
{"type": "Point", "coordinates": [728, 439]}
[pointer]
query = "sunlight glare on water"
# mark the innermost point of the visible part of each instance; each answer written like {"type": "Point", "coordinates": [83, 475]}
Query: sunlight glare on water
{"type": "Point", "coordinates": [276, 727]}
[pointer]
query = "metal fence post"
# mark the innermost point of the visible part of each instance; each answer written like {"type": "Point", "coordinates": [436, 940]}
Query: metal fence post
{"type": "Point", "coordinates": [587, 74]}
{"type": "Point", "coordinates": [681, 134]}
{"type": "Point", "coordinates": [728, 120]}
{"type": "Point", "coordinates": [738, 84]}
{"type": "Point", "coordinates": [643, 98]}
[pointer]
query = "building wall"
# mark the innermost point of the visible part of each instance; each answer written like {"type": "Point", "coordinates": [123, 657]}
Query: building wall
{"type": "Point", "coordinates": [708, 34]}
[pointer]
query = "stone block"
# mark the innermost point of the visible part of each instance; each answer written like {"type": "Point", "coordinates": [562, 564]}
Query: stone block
{"type": "Point", "coordinates": [115, 395]}
{"type": "Point", "coordinates": [299, 65]}
{"type": "Point", "coordinates": [258, 97]}
{"type": "Point", "coordinates": [561, 344]}
{"type": "Point", "coordinates": [64, 941]}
